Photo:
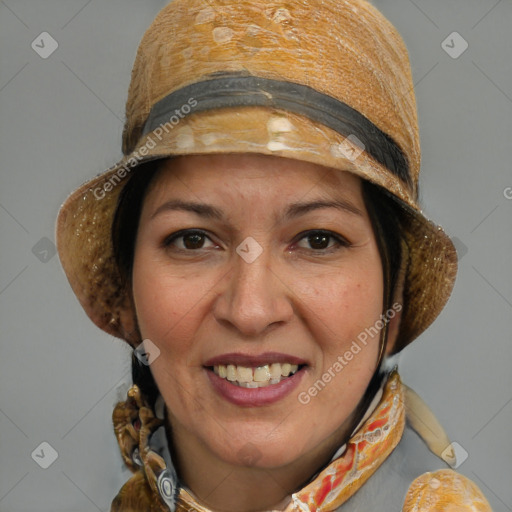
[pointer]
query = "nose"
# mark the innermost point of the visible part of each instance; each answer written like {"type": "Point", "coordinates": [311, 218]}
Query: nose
{"type": "Point", "coordinates": [253, 299]}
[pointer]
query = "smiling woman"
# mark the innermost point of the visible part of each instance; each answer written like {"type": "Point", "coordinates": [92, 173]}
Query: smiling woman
{"type": "Point", "coordinates": [326, 238]}
{"type": "Point", "coordinates": [265, 257]}
{"type": "Point", "coordinates": [287, 300]}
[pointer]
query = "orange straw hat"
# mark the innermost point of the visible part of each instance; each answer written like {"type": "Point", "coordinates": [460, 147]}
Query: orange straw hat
{"type": "Point", "coordinates": [324, 81]}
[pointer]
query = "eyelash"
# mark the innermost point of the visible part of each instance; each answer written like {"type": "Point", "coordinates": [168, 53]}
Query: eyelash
{"type": "Point", "coordinates": [342, 242]}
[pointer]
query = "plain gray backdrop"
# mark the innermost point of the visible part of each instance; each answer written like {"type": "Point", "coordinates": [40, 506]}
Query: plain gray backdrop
{"type": "Point", "coordinates": [61, 118]}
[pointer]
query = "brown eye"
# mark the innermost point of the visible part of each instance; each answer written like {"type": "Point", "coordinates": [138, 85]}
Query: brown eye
{"type": "Point", "coordinates": [193, 241]}
{"type": "Point", "coordinates": [319, 240]}
{"type": "Point", "coordinates": [190, 240]}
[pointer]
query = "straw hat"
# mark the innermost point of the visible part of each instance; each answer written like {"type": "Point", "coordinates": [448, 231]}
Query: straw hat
{"type": "Point", "coordinates": [325, 81]}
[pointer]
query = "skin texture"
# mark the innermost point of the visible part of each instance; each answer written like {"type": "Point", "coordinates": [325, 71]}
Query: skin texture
{"type": "Point", "coordinates": [306, 297]}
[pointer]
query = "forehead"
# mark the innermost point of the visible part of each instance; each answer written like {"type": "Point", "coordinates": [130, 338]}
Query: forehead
{"type": "Point", "coordinates": [268, 173]}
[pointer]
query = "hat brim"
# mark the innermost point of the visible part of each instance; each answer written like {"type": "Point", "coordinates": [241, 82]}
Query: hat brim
{"type": "Point", "coordinates": [83, 230]}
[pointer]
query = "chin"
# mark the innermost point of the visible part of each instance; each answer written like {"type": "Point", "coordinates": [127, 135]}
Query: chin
{"type": "Point", "coordinates": [264, 451]}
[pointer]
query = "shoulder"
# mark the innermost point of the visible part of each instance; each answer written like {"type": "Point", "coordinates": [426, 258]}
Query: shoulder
{"type": "Point", "coordinates": [137, 495]}
{"type": "Point", "coordinates": [444, 491]}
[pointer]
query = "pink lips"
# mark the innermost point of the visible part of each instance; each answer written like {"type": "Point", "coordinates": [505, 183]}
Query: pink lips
{"type": "Point", "coordinates": [254, 397]}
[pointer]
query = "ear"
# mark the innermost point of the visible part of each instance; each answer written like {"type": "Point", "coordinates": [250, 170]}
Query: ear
{"type": "Point", "coordinates": [397, 307]}
{"type": "Point", "coordinates": [393, 329]}
{"type": "Point", "coordinates": [129, 326]}
{"type": "Point", "coordinates": [130, 329]}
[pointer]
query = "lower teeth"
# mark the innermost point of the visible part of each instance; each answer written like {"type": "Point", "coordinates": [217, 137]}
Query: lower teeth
{"type": "Point", "coordinates": [254, 385]}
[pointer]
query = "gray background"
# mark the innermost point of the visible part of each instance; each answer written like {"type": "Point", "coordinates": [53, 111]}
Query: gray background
{"type": "Point", "coordinates": [60, 123]}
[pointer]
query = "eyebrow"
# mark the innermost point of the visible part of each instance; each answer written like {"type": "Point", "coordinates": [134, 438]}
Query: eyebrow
{"type": "Point", "coordinates": [293, 210]}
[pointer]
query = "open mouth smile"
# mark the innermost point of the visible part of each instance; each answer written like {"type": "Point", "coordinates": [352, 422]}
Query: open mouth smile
{"type": "Point", "coordinates": [250, 381]}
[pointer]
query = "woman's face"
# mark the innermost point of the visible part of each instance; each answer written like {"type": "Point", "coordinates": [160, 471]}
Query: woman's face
{"type": "Point", "coordinates": [242, 274]}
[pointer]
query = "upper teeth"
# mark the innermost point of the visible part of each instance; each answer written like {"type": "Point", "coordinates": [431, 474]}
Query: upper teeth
{"type": "Point", "coordinates": [255, 377]}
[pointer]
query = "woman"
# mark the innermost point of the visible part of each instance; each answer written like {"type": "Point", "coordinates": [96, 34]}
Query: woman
{"type": "Point", "coordinates": [261, 248]}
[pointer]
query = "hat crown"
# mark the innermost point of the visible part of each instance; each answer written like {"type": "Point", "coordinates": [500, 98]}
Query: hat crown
{"type": "Point", "coordinates": [345, 49]}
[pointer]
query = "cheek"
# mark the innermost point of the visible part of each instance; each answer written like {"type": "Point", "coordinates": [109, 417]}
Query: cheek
{"type": "Point", "coordinates": [167, 304]}
{"type": "Point", "coordinates": [345, 302]}
{"type": "Point", "coordinates": [167, 308]}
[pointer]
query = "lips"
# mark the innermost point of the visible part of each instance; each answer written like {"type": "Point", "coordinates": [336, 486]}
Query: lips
{"type": "Point", "coordinates": [252, 380]}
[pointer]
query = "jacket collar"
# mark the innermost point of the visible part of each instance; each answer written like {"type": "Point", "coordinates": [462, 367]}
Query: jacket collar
{"type": "Point", "coordinates": [140, 431]}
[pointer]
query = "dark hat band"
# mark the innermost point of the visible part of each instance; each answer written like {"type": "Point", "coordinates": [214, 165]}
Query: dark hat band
{"type": "Point", "coordinates": [226, 90]}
